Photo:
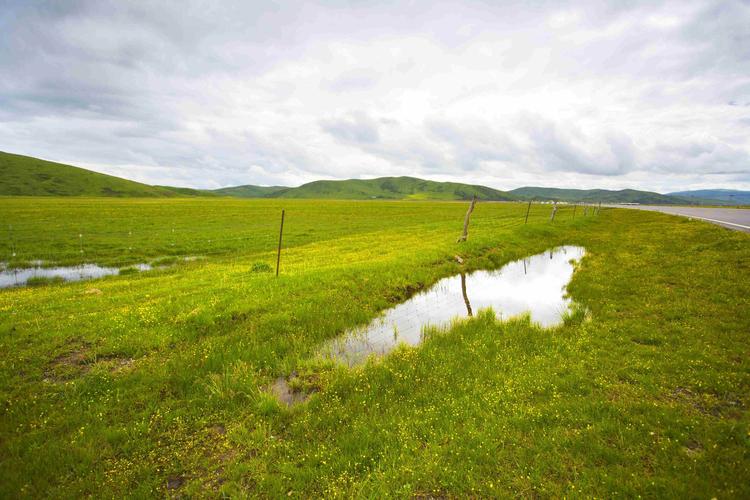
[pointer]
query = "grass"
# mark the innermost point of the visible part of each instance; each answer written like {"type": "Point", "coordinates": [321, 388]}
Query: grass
{"type": "Point", "coordinates": [128, 231]}
{"type": "Point", "coordinates": [152, 384]}
{"type": "Point", "coordinates": [44, 280]}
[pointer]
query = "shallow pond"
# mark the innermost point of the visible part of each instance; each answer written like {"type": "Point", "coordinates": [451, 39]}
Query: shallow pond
{"type": "Point", "coordinates": [535, 285]}
{"type": "Point", "coordinates": [20, 277]}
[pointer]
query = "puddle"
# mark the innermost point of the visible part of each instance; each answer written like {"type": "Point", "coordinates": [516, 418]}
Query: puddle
{"type": "Point", "coordinates": [535, 285]}
{"type": "Point", "coordinates": [20, 277]}
{"type": "Point", "coordinates": [284, 393]}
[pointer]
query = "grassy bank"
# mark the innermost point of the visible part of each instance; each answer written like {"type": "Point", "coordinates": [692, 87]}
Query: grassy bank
{"type": "Point", "coordinates": [152, 384]}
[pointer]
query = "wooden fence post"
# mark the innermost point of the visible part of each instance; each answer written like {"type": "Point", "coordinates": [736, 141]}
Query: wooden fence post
{"type": "Point", "coordinates": [281, 233]}
{"type": "Point", "coordinates": [527, 212]}
{"type": "Point", "coordinates": [465, 233]}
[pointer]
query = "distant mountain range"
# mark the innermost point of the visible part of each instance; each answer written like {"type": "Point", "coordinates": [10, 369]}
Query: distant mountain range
{"type": "Point", "coordinates": [383, 188]}
{"type": "Point", "coordinates": [249, 191]}
{"type": "Point", "coordinates": [27, 176]}
{"type": "Point", "coordinates": [596, 195]}
{"type": "Point", "coordinates": [720, 196]}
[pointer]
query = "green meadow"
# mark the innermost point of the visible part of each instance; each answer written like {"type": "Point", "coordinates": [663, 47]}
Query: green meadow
{"type": "Point", "coordinates": [156, 384]}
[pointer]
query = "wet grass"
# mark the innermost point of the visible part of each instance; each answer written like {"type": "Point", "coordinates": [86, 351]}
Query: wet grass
{"type": "Point", "coordinates": [155, 384]}
{"type": "Point", "coordinates": [44, 280]}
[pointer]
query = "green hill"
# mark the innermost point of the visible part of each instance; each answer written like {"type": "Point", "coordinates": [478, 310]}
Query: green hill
{"type": "Point", "coordinates": [391, 188]}
{"type": "Point", "coordinates": [597, 195]}
{"type": "Point", "coordinates": [180, 191]}
{"type": "Point", "coordinates": [27, 176]}
{"type": "Point", "coordinates": [249, 191]}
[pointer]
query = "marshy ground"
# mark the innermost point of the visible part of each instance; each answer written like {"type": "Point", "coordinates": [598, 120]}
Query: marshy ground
{"type": "Point", "coordinates": [161, 383]}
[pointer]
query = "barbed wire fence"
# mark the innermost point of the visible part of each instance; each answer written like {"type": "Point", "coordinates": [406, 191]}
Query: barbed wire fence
{"type": "Point", "coordinates": [130, 242]}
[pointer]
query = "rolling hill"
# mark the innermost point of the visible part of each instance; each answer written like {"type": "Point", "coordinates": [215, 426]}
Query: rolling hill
{"type": "Point", "coordinates": [596, 195]}
{"type": "Point", "coordinates": [392, 188]}
{"type": "Point", "coordinates": [249, 191]}
{"type": "Point", "coordinates": [27, 176]}
{"type": "Point", "coordinates": [718, 196]}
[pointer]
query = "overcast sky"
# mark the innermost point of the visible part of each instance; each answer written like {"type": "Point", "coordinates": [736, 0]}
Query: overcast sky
{"type": "Point", "coordinates": [208, 94]}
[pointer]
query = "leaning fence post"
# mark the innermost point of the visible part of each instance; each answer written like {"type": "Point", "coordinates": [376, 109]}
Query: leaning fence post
{"type": "Point", "coordinates": [527, 212]}
{"type": "Point", "coordinates": [575, 206]}
{"type": "Point", "coordinates": [278, 252]}
{"type": "Point", "coordinates": [465, 233]}
{"type": "Point", "coordinates": [554, 211]}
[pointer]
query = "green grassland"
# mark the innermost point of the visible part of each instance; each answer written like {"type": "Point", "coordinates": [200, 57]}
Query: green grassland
{"type": "Point", "coordinates": [152, 384]}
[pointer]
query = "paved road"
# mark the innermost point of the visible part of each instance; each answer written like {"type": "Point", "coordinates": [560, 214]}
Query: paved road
{"type": "Point", "coordinates": [732, 218]}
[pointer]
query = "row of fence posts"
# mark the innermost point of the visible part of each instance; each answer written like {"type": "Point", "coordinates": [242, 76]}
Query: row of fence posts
{"type": "Point", "coordinates": [594, 210]}
{"type": "Point", "coordinates": [281, 230]}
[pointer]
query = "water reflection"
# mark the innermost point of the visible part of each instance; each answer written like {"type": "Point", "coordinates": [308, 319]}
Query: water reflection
{"type": "Point", "coordinates": [535, 285]}
{"type": "Point", "coordinates": [20, 277]}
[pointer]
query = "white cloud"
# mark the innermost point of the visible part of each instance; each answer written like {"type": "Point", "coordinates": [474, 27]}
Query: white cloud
{"type": "Point", "coordinates": [650, 96]}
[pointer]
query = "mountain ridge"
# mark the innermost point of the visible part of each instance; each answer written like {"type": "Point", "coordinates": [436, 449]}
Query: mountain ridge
{"type": "Point", "coordinates": [28, 176]}
{"type": "Point", "coordinates": [595, 196]}
{"type": "Point", "coordinates": [718, 196]}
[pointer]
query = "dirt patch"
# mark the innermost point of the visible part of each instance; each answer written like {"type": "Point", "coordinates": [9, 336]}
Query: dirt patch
{"type": "Point", "coordinates": [692, 448]}
{"type": "Point", "coordinates": [78, 360]}
{"type": "Point", "coordinates": [72, 363]}
{"type": "Point", "coordinates": [115, 363]}
{"type": "Point", "coordinates": [218, 429]}
{"type": "Point", "coordinates": [716, 405]}
{"type": "Point", "coordinates": [175, 482]}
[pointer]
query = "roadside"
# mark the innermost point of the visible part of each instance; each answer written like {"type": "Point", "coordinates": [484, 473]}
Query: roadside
{"type": "Point", "coordinates": [731, 218]}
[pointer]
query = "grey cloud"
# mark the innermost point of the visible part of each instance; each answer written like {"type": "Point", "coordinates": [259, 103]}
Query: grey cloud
{"type": "Point", "coordinates": [706, 157]}
{"type": "Point", "coordinates": [215, 93]}
{"type": "Point", "coordinates": [562, 148]}
{"type": "Point", "coordinates": [474, 145]}
{"type": "Point", "coordinates": [355, 127]}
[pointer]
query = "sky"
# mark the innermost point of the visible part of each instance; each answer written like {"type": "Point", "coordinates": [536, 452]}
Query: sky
{"type": "Point", "coordinates": [207, 94]}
